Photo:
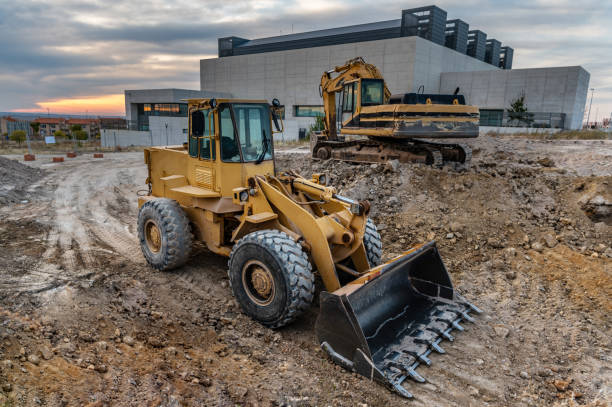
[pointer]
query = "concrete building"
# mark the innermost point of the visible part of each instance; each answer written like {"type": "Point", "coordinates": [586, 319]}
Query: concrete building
{"type": "Point", "coordinates": [10, 124]}
{"type": "Point", "coordinates": [557, 94]}
{"type": "Point", "coordinates": [89, 126]}
{"type": "Point", "coordinates": [49, 125]}
{"type": "Point", "coordinates": [154, 117]}
{"type": "Point", "coordinates": [140, 105]}
{"type": "Point", "coordinates": [422, 48]}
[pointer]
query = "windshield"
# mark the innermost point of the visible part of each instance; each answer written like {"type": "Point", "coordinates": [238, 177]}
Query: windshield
{"type": "Point", "coordinates": [254, 133]}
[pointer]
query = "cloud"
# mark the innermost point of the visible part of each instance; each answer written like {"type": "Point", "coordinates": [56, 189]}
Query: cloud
{"type": "Point", "coordinates": [66, 49]}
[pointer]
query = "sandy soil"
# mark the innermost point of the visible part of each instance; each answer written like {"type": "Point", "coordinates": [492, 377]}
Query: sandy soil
{"type": "Point", "coordinates": [526, 234]}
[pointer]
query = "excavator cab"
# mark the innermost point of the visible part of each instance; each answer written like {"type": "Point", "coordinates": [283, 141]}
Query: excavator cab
{"type": "Point", "coordinates": [356, 94]}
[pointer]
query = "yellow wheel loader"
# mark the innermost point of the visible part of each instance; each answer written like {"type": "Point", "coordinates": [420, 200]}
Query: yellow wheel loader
{"type": "Point", "coordinates": [280, 229]}
{"type": "Point", "coordinates": [364, 122]}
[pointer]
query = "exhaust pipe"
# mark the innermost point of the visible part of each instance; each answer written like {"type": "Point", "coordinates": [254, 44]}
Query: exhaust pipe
{"type": "Point", "coordinates": [387, 326]}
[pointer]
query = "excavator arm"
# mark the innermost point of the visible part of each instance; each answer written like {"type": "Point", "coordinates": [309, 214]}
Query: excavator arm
{"type": "Point", "coordinates": [353, 69]}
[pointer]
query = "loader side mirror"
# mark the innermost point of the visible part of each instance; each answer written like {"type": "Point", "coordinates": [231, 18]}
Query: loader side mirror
{"type": "Point", "coordinates": [275, 120]}
{"type": "Point", "coordinates": [197, 123]}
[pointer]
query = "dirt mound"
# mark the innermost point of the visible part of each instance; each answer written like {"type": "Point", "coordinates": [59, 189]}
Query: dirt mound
{"type": "Point", "coordinates": [15, 178]}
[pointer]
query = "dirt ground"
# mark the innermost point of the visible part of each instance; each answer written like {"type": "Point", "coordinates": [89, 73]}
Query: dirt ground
{"type": "Point", "coordinates": [526, 233]}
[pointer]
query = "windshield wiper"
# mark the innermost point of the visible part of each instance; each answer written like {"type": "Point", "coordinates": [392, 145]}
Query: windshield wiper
{"type": "Point", "coordinates": [265, 148]}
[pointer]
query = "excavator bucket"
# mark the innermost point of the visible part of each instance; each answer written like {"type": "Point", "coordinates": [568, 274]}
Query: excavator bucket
{"type": "Point", "coordinates": [388, 322]}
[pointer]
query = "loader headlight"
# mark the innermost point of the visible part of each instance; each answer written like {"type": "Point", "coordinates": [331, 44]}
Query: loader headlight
{"type": "Point", "coordinates": [320, 179]}
{"type": "Point", "coordinates": [244, 196]}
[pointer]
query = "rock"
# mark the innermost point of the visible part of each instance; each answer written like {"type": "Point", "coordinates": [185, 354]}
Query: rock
{"type": "Point", "coordinates": [34, 359]}
{"type": "Point", "coordinates": [101, 368]}
{"type": "Point", "coordinates": [510, 275]}
{"type": "Point", "coordinates": [128, 340]}
{"type": "Point", "coordinates": [7, 363]}
{"type": "Point", "coordinates": [537, 246]}
{"type": "Point", "coordinates": [545, 372]}
{"type": "Point", "coordinates": [494, 243]}
{"type": "Point", "coordinates": [7, 387]}
{"type": "Point", "coordinates": [456, 227]}
{"type": "Point", "coordinates": [101, 346]}
{"type": "Point", "coordinates": [608, 253]}
{"type": "Point", "coordinates": [473, 391]}
{"type": "Point", "coordinates": [561, 385]}
{"type": "Point", "coordinates": [524, 375]}
{"type": "Point", "coordinates": [46, 353]}
{"type": "Point", "coordinates": [549, 240]}
{"type": "Point", "coordinates": [546, 162]}
{"type": "Point", "coordinates": [170, 351]}
{"type": "Point", "coordinates": [67, 348]}
{"type": "Point", "coordinates": [501, 331]}
{"type": "Point", "coordinates": [155, 342]}
{"type": "Point", "coordinates": [392, 166]}
{"type": "Point", "coordinates": [393, 200]}
{"type": "Point", "coordinates": [450, 236]}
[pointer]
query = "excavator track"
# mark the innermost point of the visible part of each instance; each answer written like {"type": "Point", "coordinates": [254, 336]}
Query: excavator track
{"type": "Point", "coordinates": [375, 151]}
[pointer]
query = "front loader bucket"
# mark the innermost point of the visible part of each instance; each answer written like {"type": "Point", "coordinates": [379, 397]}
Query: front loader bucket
{"type": "Point", "coordinates": [385, 328]}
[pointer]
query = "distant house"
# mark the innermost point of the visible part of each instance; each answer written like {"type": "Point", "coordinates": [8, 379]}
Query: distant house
{"type": "Point", "coordinates": [49, 125]}
{"type": "Point", "coordinates": [90, 126]}
{"type": "Point", "coordinates": [10, 124]}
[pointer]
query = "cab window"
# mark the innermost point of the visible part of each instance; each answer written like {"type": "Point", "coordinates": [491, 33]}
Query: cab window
{"type": "Point", "coordinates": [372, 92]}
{"type": "Point", "coordinates": [254, 132]}
{"type": "Point", "coordinates": [229, 147]}
{"type": "Point", "coordinates": [347, 102]}
{"type": "Point", "coordinates": [202, 135]}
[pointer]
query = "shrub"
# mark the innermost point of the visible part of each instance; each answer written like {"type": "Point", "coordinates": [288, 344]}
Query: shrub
{"type": "Point", "coordinates": [19, 136]}
{"type": "Point", "coordinates": [60, 135]}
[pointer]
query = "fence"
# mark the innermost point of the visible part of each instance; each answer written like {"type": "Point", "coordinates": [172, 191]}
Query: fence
{"type": "Point", "coordinates": [541, 120]}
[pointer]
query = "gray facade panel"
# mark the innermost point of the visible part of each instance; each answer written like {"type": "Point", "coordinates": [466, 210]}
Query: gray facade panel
{"type": "Point", "coordinates": [547, 90]}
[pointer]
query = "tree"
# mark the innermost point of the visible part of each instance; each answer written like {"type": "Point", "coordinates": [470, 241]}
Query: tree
{"type": "Point", "coordinates": [35, 127]}
{"type": "Point", "coordinates": [318, 125]}
{"type": "Point", "coordinates": [59, 135]}
{"type": "Point", "coordinates": [19, 136]}
{"type": "Point", "coordinates": [518, 111]}
{"type": "Point", "coordinates": [79, 134]}
{"type": "Point", "coordinates": [75, 127]}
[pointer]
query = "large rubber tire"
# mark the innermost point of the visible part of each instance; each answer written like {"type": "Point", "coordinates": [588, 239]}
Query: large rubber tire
{"type": "Point", "coordinates": [174, 231]}
{"type": "Point", "coordinates": [373, 244]}
{"type": "Point", "coordinates": [289, 269]}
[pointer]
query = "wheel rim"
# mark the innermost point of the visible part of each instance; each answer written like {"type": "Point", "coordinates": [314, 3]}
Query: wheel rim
{"type": "Point", "coordinates": [153, 236]}
{"type": "Point", "coordinates": [258, 282]}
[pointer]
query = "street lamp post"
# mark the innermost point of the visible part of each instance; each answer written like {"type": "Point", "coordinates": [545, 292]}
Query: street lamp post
{"type": "Point", "coordinates": [590, 104]}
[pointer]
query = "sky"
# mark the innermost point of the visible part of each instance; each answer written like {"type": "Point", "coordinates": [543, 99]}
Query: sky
{"type": "Point", "coordinates": [78, 56]}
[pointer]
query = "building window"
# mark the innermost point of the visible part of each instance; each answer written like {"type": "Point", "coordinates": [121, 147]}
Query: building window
{"type": "Point", "coordinates": [491, 117]}
{"type": "Point", "coordinates": [308, 111]}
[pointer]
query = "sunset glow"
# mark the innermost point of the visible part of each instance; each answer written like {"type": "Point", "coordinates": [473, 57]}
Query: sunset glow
{"type": "Point", "coordinates": [111, 105]}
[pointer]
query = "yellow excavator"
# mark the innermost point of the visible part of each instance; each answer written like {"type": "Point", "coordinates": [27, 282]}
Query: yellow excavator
{"type": "Point", "coordinates": [280, 230]}
{"type": "Point", "coordinates": [381, 126]}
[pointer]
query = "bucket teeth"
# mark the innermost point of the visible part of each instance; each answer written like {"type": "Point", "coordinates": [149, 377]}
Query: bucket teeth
{"type": "Point", "coordinates": [397, 386]}
{"type": "Point", "coordinates": [425, 360]}
{"type": "Point", "coordinates": [414, 375]}
{"type": "Point", "coordinates": [474, 308]}
{"type": "Point", "coordinates": [447, 335]}
{"type": "Point", "coordinates": [467, 316]}
{"type": "Point", "coordinates": [457, 326]}
{"type": "Point", "coordinates": [437, 348]}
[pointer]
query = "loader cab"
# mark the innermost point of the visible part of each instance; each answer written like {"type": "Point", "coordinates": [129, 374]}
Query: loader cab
{"type": "Point", "coordinates": [357, 94]}
{"type": "Point", "coordinates": [230, 141]}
